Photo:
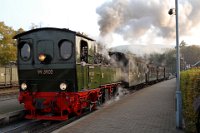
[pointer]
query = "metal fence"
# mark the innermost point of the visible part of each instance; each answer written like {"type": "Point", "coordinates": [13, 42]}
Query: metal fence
{"type": "Point", "coordinates": [8, 76]}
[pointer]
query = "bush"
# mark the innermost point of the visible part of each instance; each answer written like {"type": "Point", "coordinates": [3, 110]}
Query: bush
{"type": "Point", "coordinates": [190, 87]}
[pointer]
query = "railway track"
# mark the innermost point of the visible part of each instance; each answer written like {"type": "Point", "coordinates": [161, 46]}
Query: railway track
{"type": "Point", "coordinates": [39, 126]}
{"type": "Point", "coordinates": [8, 93]}
{"type": "Point", "coordinates": [8, 90]}
{"type": "Point", "coordinates": [44, 126]}
{"type": "Point", "coordinates": [10, 117]}
{"type": "Point", "coordinates": [4, 85]}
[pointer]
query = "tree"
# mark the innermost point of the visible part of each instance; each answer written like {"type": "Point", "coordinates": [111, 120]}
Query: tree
{"type": "Point", "coordinates": [35, 26]}
{"type": "Point", "coordinates": [183, 44]}
{"type": "Point", "coordinates": [7, 47]}
{"type": "Point", "coordinates": [7, 54]}
{"type": "Point", "coordinates": [191, 54]}
{"type": "Point", "coordinates": [6, 34]}
{"type": "Point", "coordinates": [170, 57]}
{"type": "Point", "coordinates": [167, 59]}
{"type": "Point", "coordinates": [20, 30]}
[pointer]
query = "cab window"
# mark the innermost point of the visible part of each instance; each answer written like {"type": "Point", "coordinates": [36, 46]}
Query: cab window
{"type": "Point", "coordinates": [84, 51]}
{"type": "Point", "coordinates": [25, 51]}
{"type": "Point", "coordinates": [65, 49]}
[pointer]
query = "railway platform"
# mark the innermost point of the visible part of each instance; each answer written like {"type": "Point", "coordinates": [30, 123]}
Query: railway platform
{"type": "Point", "coordinates": [9, 105]}
{"type": "Point", "coordinates": [150, 110]}
{"type": "Point", "coordinates": [10, 109]}
{"type": "Point", "coordinates": [9, 100]}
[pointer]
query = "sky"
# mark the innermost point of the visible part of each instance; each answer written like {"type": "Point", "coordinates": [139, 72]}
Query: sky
{"type": "Point", "coordinates": [113, 22]}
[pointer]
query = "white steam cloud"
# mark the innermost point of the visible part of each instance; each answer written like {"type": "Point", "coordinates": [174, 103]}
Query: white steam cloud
{"type": "Point", "coordinates": [134, 19]}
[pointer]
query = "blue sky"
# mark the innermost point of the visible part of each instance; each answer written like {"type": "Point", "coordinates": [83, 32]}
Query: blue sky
{"type": "Point", "coordinates": [21, 13]}
{"type": "Point", "coordinates": [80, 15]}
{"type": "Point", "coordinates": [76, 15]}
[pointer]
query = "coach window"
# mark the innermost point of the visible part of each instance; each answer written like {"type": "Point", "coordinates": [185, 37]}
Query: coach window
{"type": "Point", "coordinates": [65, 49]}
{"type": "Point", "coordinates": [25, 51]}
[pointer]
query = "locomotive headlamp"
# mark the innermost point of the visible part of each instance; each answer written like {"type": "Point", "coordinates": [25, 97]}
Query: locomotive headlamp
{"type": "Point", "coordinates": [23, 86]}
{"type": "Point", "coordinates": [63, 86]}
{"type": "Point", "coordinates": [42, 57]}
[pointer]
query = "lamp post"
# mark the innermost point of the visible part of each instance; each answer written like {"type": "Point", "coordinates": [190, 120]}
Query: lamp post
{"type": "Point", "coordinates": [178, 92]}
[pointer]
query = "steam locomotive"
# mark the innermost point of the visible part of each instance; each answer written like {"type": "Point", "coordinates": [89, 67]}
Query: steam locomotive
{"type": "Point", "coordinates": [61, 73]}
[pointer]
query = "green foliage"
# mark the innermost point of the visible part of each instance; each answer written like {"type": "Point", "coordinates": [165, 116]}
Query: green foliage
{"type": "Point", "coordinates": [190, 82]}
{"type": "Point", "coordinates": [6, 34]}
{"type": "Point", "coordinates": [168, 59]}
{"type": "Point", "coordinates": [191, 53]}
{"type": "Point", "coordinates": [7, 44]}
{"type": "Point", "coordinates": [8, 54]}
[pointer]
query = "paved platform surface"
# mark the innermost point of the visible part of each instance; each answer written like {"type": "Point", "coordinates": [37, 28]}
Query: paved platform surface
{"type": "Point", "coordinates": [9, 105]}
{"type": "Point", "coordinates": [150, 110]}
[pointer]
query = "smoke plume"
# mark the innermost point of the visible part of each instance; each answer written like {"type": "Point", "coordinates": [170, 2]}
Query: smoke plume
{"type": "Point", "coordinates": [134, 19]}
